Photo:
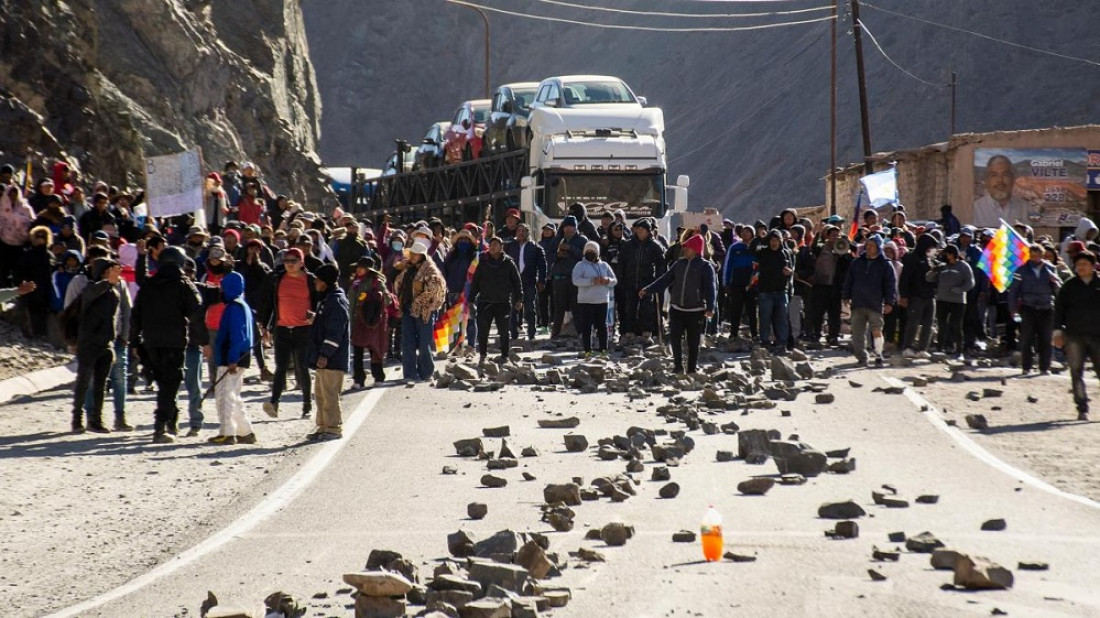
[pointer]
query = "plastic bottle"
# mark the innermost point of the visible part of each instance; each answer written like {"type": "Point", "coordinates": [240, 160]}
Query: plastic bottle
{"type": "Point", "coordinates": [711, 532]}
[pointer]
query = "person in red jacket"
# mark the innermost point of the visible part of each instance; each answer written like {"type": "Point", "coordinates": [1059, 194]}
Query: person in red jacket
{"type": "Point", "coordinates": [250, 208]}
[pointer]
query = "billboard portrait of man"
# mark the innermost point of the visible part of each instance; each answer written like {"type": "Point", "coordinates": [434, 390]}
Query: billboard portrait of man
{"type": "Point", "coordinates": [998, 202]}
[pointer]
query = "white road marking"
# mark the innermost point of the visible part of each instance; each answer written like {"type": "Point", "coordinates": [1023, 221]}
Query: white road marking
{"type": "Point", "coordinates": [933, 415]}
{"type": "Point", "coordinates": [281, 497]}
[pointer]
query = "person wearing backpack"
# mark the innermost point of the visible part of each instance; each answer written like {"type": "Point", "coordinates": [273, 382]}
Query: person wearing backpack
{"type": "Point", "coordinates": [370, 305]}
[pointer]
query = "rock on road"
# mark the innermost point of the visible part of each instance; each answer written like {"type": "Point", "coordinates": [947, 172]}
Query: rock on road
{"type": "Point", "coordinates": [385, 491]}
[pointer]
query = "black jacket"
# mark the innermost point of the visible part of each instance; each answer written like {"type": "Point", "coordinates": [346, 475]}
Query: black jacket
{"type": "Point", "coordinates": [268, 300]}
{"type": "Point", "coordinates": [1075, 308]}
{"type": "Point", "coordinates": [691, 285]}
{"type": "Point", "coordinates": [98, 308]}
{"type": "Point", "coordinates": [534, 267]}
{"type": "Point", "coordinates": [163, 309]}
{"type": "Point", "coordinates": [496, 281]}
{"type": "Point", "coordinates": [914, 271]}
{"type": "Point", "coordinates": [640, 263]}
{"type": "Point", "coordinates": [770, 270]}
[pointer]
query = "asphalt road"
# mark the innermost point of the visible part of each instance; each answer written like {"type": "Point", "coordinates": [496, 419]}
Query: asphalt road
{"type": "Point", "coordinates": [384, 489]}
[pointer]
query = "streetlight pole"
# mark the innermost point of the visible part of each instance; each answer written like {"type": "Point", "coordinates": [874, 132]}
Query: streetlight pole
{"type": "Point", "coordinates": [484, 18]}
{"type": "Point", "coordinates": [832, 115]}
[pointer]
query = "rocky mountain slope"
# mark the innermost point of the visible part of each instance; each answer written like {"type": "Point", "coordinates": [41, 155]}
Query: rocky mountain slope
{"type": "Point", "coordinates": [103, 81]}
{"type": "Point", "coordinates": [747, 112]}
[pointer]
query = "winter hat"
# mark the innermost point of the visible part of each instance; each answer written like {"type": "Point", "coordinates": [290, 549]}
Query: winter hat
{"type": "Point", "coordinates": [890, 245]}
{"type": "Point", "coordinates": [569, 221]}
{"type": "Point", "coordinates": [254, 242]}
{"type": "Point", "coordinates": [592, 246]}
{"type": "Point", "coordinates": [875, 239]}
{"type": "Point", "coordinates": [620, 214]}
{"type": "Point", "coordinates": [328, 273]}
{"type": "Point", "coordinates": [100, 266]}
{"type": "Point", "coordinates": [512, 212]}
{"type": "Point", "coordinates": [695, 243]}
{"type": "Point", "coordinates": [1075, 247]}
{"type": "Point", "coordinates": [644, 224]}
{"type": "Point", "coordinates": [366, 262]}
{"type": "Point", "coordinates": [215, 253]}
{"type": "Point", "coordinates": [234, 233]}
{"type": "Point", "coordinates": [760, 224]}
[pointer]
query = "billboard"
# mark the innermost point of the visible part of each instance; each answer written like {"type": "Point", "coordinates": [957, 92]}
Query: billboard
{"type": "Point", "coordinates": [1042, 187]}
{"type": "Point", "coordinates": [173, 184]}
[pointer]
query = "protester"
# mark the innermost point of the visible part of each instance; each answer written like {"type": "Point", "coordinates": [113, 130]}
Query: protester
{"type": "Point", "coordinates": [775, 269]}
{"type": "Point", "coordinates": [871, 287]}
{"type": "Point", "coordinates": [1031, 297]}
{"type": "Point", "coordinates": [1076, 328]}
{"type": "Point", "coordinates": [98, 313]}
{"type": "Point", "coordinates": [369, 306]}
{"type": "Point", "coordinates": [641, 261]}
{"type": "Point", "coordinates": [595, 281]}
{"type": "Point", "coordinates": [329, 352]}
{"type": "Point", "coordinates": [693, 292]}
{"type": "Point", "coordinates": [953, 279]}
{"type": "Point", "coordinates": [159, 325]}
{"type": "Point", "coordinates": [530, 260]}
{"type": "Point", "coordinates": [497, 291]}
{"type": "Point", "coordinates": [288, 303]}
{"type": "Point", "coordinates": [232, 348]}
{"type": "Point", "coordinates": [420, 291]}
{"type": "Point", "coordinates": [918, 295]}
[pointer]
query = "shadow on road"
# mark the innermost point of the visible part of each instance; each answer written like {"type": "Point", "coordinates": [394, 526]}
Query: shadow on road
{"type": "Point", "coordinates": [1031, 427]}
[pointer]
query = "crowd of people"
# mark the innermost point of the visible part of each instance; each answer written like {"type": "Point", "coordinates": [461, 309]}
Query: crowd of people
{"type": "Point", "coordinates": [173, 299]}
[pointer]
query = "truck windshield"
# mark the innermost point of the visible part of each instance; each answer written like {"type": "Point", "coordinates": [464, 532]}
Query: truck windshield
{"type": "Point", "coordinates": [639, 195]}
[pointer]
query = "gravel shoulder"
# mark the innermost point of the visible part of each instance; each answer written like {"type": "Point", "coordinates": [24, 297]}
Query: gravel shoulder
{"type": "Point", "coordinates": [114, 506]}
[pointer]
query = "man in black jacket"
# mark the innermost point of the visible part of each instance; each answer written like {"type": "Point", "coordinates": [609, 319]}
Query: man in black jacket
{"type": "Point", "coordinates": [159, 323]}
{"type": "Point", "coordinates": [641, 261]}
{"type": "Point", "coordinates": [775, 269]}
{"type": "Point", "coordinates": [1076, 326]}
{"type": "Point", "coordinates": [531, 262]}
{"type": "Point", "coordinates": [692, 294]}
{"type": "Point", "coordinates": [496, 288]}
{"type": "Point", "coordinates": [918, 296]}
{"type": "Point", "coordinates": [585, 227]}
{"type": "Point", "coordinates": [94, 349]}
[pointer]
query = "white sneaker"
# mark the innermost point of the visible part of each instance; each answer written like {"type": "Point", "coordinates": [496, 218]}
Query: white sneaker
{"type": "Point", "coordinates": [923, 355]}
{"type": "Point", "coordinates": [908, 353]}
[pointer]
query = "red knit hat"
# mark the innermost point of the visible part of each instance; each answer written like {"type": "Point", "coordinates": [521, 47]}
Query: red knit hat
{"type": "Point", "coordinates": [695, 243]}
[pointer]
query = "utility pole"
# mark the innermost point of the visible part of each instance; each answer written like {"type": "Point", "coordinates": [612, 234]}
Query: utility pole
{"type": "Point", "coordinates": [863, 114]}
{"type": "Point", "coordinates": [954, 84]}
{"type": "Point", "coordinates": [484, 18]}
{"type": "Point", "coordinates": [832, 116]}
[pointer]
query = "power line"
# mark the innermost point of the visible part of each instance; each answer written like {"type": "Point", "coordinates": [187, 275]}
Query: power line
{"type": "Point", "coordinates": [891, 60]}
{"type": "Point", "coordinates": [685, 15]}
{"type": "Point", "coordinates": [643, 28]}
{"type": "Point", "coordinates": [986, 36]}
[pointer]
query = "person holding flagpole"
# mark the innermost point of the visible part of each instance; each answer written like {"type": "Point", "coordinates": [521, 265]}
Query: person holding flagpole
{"type": "Point", "coordinates": [1076, 328]}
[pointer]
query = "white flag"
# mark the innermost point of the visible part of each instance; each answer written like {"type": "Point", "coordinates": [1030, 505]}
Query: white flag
{"type": "Point", "coordinates": [881, 188]}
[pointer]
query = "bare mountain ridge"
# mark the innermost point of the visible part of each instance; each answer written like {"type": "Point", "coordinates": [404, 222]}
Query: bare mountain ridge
{"type": "Point", "coordinates": [99, 82]}
{"type": "Point", "coordinates": [747, 113]}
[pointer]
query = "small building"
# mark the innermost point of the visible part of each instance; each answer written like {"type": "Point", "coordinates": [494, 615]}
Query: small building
{"type": "Point", "coordinates": [1047, 178]}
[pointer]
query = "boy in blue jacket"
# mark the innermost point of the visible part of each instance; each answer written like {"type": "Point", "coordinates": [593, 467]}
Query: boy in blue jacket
{"type": "Point", "coordinates": [232, 349]}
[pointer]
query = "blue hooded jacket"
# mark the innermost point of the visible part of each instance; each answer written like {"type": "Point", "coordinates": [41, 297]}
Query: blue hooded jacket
{"type": "Point", "coordinates": [235, 337]}
{"type": "Point", "coordinates": [61, 279]}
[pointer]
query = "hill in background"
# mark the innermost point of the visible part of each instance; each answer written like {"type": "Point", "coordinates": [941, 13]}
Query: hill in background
{"type": "Point", "coordinates": [747, 113]}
